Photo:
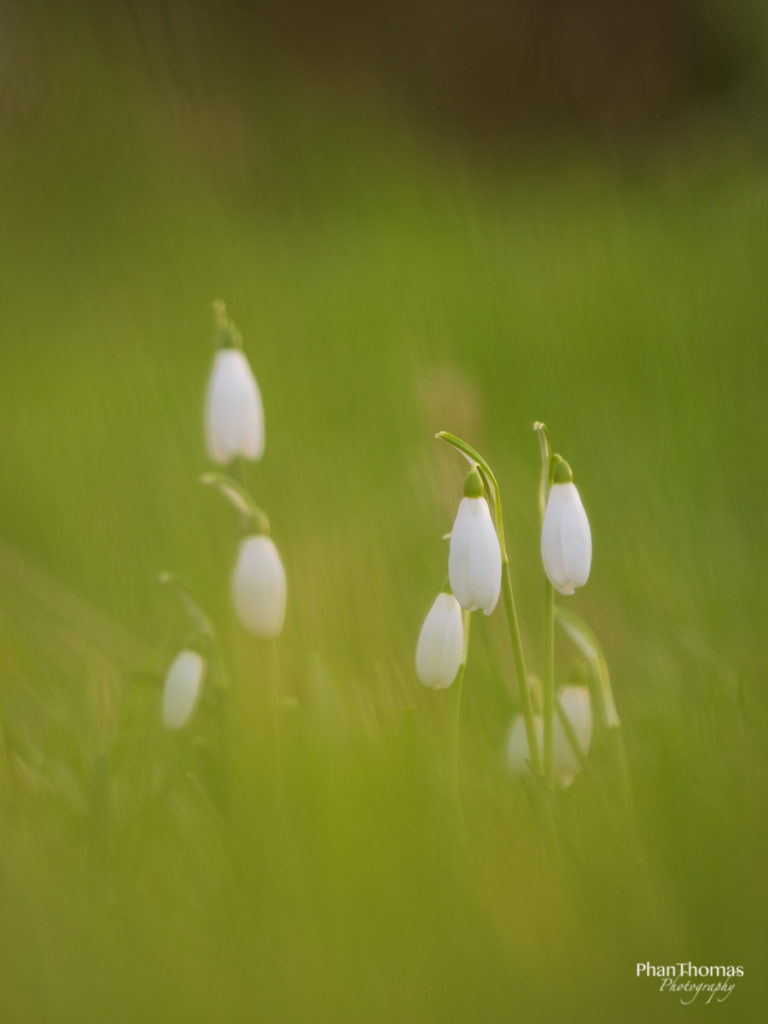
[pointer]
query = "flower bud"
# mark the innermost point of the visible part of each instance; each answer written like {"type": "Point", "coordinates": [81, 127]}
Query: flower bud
{"type": "Point", "coordinates": [474, 558]}
{"type": "Point", "coordinates": [441, 643]}
{"type": "Point", "coordinates": [518, 752]}
{"type": "Point", "coordinates": [259, 587]}
{"type": "Point", "coordinates": [234, 415]}
{"type": "Point", "coordinates": [566, 541]}
{"type": "Point", "coordinates": [182, 690]}
{"type": "Point", "coordinates": [577, 707]}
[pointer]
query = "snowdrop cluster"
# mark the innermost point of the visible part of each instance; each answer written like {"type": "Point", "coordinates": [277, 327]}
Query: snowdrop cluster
{"type": "Point", "coordinates": [234, 430]}
{"type": "Point", "coordinates": [553, 740]}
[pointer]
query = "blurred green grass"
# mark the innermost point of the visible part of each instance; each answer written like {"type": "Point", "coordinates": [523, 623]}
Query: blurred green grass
{"type": "Point", "coordinates": [386, 288]}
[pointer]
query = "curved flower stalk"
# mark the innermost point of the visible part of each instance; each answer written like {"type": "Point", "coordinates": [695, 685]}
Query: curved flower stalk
{"type": "Point", "coordinates": [234, 413]}
{"type": "Point", "coordinates": [183, 688]}
{"type": "Point", "coordinates": [440, 648]}
{"type": "Point", "coordinates": [474, 559]}
{"type": "Point", "coordinates": [259, 589]}
{"type": "Point", "coordinates": [566, 540]}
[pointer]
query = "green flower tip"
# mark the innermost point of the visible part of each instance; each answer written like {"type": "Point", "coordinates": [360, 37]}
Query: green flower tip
{"type": "Point", "coordinates": [257, 521]}
{"type": "Point", "coordinates": [225, 331]}
{"type": "Point", "coordinates": [198, 642]}
{"type": "Point", "coordinates": [561, 471]}
{"type": "Point", "coordinates": [579, 674]}
{"type": "Point", "coordinates": [473, 484]}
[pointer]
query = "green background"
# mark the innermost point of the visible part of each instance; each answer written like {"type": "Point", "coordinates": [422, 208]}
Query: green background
{"type": "Point", "coordinates": [390, 280]}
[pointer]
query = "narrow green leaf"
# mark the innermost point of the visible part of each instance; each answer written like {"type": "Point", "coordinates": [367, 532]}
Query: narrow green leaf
{"type": "Point", "coordinates": [585, 640]}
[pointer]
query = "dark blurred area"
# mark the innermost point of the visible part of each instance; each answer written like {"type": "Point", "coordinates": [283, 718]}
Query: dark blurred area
{"type": "Point", "coordinates": [486, 70]}
{"type": "Point", "coordinates": [496, 65]}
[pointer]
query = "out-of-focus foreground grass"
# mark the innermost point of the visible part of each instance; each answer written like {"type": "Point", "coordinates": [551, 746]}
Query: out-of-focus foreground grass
{"type": "Point", "coordinates": [386, 288]}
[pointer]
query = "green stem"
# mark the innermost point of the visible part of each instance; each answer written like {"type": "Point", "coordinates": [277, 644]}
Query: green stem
{"type": "Point", "coordinates": [458, 687]}
{"type": "Point", "coordinates": [522, 677]}
{"type": "Point", "coordinates": [200, 619]}
{"type": "Point", "coordinates": [545, 447]}
{"type": "Point", "coordinates": [456, 722]}
{"type": "Point", "coordinates": [237, 495]}
{"type": "Point", "coordinates": [549, 681]}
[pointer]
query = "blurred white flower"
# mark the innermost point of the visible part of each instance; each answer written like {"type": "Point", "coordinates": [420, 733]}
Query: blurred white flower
{"type": "Point", "coordinates": [566, 542]}
{"type": "Point", "coordinates": [183, 687]}
{"type": "Point", "coordinates": [577, 707]}
{"type": "Point", "coordinates": [441, 643]}
{"type": "Point", "coordinates": [474, 558]}
{"type": "Point", "coordinates": [518, 750]}
{"type": "Point", "coordinates": [234, 415]}
{"type": "Point", "coordinates": [259, 587]}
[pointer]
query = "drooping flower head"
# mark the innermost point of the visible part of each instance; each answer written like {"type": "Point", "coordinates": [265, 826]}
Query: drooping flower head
{"type": "Point", "coordinates": [259, 585]}
{"type": "Point", "coordinates": [441, 643]}
{"type": "Point", "coordinates": [566, 541]}
{"type": "Point", "coordinates": [518, 752]}
{"type": "Point", "coordinates": [474, 558]}
{"type": "Point", "coordinates": [577, 708]}
{"type": "Point", "coordinates": [183, 687]}
{"type": "Point", "coordinates": [234, 414]}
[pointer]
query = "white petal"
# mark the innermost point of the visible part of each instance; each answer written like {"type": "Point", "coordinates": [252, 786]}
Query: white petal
{"type": "Point", "coordinates": [459, 555]}
{"type": "Point", "coordinates": [518, 750]}
{"type": "Point", "coordinates": [441, 643]}
{"type": "Point", "coordinates": [474, 558]}
{"type": "Point", "coordinates": [252, 439]}
{"type": "Point", "coordinates": [234, 416]}
{"type": "Point", "coordinates": [575, 702]}
{"type": "Point", "coordinates": [575, 536]}
{"type": "Point", "coordinates": [485, 558]}
{"type": "Point", "coordinates": [259, 587]}
{"type": "Point", "coordinates": [183, 686]}
{"type": "Point", "coordinates": [551, 543]}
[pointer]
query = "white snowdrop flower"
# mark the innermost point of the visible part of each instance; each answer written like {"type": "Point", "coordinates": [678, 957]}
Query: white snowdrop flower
{"type": "Point", "coordinates": [474, 558]}
{"type": "Point", "coordinates": [566, 542]}
{"type": "Point", "coordinates": [183, 687]}
{"type": "Point", "coordinates": [234, 415]}
{"type": "Point", "coordinates": [518, 750]}
{"type": "Point", "coordinates": [258, 586]}
{"type": "Point", "coordinates": [441, 643]}
{"type": "Point", "coordinates": [577, 707]}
